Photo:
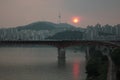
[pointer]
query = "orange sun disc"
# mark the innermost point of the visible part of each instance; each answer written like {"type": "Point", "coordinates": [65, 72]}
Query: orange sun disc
{"type": "Point", "coordinates": [75, 20]}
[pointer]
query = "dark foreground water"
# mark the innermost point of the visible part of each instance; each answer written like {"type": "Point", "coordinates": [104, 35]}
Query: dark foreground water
{"type": "Point", "coordinates": [40, 64]}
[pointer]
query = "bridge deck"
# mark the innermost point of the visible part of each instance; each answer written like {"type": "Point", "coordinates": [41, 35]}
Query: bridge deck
{"type": "Point", "coordinates": [64, 43]}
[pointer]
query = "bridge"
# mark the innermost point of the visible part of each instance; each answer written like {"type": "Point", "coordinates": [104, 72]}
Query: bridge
{"type": "Point", "coordinates": [62, 44]}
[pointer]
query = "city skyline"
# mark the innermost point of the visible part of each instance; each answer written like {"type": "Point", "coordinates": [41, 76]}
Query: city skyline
{"type": "Point", "coordinates": [21, 12]}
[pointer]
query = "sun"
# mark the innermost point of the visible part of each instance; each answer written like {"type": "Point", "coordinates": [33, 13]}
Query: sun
{"type": "Point", "coordinates": [75, 20]}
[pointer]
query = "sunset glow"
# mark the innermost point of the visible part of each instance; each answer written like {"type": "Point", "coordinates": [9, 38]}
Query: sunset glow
{"type": "Point", "coordinates": [76, 20]}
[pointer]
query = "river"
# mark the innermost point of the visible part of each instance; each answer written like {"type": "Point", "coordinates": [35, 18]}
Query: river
{"type": "Point", "coordinates": [40, 63]}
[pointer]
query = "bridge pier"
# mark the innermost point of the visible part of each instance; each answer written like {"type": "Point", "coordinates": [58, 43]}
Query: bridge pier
{"type": "Point", "coordinates": [61, 57]}
{"type": "Point", "coordinates": [87, 53]}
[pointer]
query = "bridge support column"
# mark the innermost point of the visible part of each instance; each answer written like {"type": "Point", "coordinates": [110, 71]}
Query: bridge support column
{"type": "Point", "coordinates": [61, 57]}
{"type": "Point", "coordinates": [87, 53]}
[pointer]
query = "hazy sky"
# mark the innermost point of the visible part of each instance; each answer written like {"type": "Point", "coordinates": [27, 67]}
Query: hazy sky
{"type": "Point", "coordinates": [21, 12]}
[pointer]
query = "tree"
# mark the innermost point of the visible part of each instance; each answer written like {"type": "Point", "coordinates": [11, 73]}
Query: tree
{"type": "Point", "coordinates": [115, 55]}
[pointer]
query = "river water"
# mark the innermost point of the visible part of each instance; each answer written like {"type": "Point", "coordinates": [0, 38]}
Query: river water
{"type": "Point", "coordinates": [40, 64]}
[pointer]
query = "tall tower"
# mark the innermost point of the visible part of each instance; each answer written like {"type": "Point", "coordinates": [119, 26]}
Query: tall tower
{"type": "Point", "coordinates": [59, 18]}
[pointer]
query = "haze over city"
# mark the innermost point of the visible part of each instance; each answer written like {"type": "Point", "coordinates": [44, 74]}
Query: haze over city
{"type": "Point", "coordinates": [90, 12]}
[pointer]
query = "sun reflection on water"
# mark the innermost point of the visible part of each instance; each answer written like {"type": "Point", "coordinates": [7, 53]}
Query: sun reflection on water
{"type": "Point", "coordinates": [76, 69]}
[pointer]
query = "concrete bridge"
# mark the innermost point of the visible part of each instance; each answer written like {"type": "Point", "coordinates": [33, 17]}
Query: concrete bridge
{"type": "Point", "coordinates": [62, 44]}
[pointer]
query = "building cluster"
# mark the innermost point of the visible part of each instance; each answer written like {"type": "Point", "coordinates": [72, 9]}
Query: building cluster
{"type": "Point", "coordinates": [106, 32]}
{"type": "Point", "coordinates": [97, 32]}
{"type": "Point", "coordinates": [15, 34]}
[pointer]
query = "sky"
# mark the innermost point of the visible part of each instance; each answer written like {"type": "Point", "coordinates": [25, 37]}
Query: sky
{"type": "Point", "coordinates": [90, 12]}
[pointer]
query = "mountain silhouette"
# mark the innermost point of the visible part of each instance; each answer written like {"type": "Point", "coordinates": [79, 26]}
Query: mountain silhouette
{"type": "Point", "coordinates": [67, 35]}
{"type": "Point", "coordinates": [65, 25]}
{"type": "Point", "coordinates": [43, 25]}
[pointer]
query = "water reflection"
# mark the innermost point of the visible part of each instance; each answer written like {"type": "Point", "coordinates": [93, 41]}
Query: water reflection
{"type": "Point", "coordinates": [76, 69]}
{"type": "Point", "coordinates": [40, 64]}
